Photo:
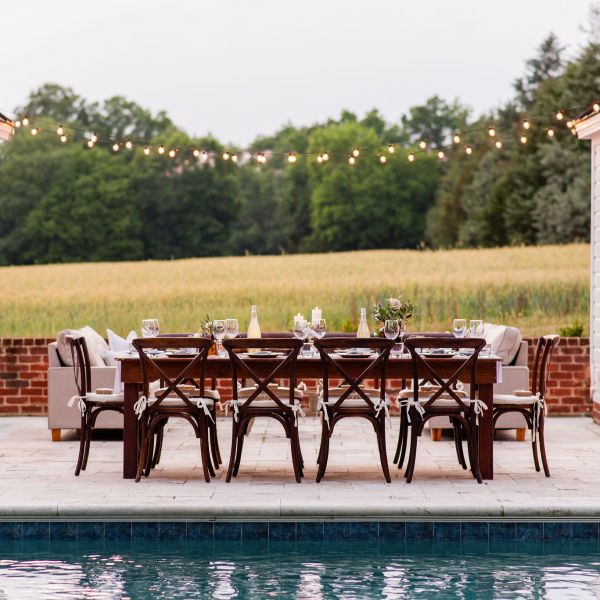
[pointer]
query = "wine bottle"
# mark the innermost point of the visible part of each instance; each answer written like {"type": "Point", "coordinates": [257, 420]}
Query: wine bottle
{"type": "Point", "coordinates": [253, 328]}
{"type": "Point", "coordinates": [363, 328]}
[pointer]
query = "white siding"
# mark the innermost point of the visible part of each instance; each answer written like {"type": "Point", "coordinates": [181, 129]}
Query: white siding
{"type": "Point", "coordinates": [595, 274]}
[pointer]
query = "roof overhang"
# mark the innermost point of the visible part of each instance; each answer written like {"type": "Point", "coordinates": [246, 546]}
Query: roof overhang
{"type": "Point", "coordinates": [588, 126]}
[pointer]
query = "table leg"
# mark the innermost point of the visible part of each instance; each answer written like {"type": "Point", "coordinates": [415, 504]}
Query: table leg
{"type": "Point", "coordinates": [486, 431]}
{"type": "Point", "coordinates": [130, 429]}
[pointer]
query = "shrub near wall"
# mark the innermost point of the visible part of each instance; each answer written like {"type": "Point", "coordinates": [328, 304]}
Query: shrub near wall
{"type": "Point", "coordinates": [24, 387]}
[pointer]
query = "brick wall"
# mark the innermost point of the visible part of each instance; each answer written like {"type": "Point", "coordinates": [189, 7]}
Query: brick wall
{"type": "Point", "coordinates": [24, 362]}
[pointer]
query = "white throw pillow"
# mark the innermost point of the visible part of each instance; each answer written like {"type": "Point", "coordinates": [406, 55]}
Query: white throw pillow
{"type": "Point", "coordinates": [504, 340]}
{"type": "Point", "coordinates": [95, 344]}
{"type": "Point", "coordinates": [117, 345]}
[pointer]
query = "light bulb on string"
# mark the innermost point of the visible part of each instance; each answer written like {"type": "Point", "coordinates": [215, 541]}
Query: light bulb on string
{"type": "Point", "coordinates": [550, 133]}
{"type": "Point", "coordinates": [204, 155]}
{"type": "Point", "coordinates": [234, 158]}
{"type": "Point", "coordinates": [60, 130]}
{"type": "Point", "coordinates": [569, 124]}
{"type": "Point", "coordinates": [492, 131]}
{"type": "Point", "coordinates": [320, 158]}
{"type": "Point", "coordinates": [291, 157]}
{"type": "Point", "coordinates": [63, 138]}
{"type": "Point", "coordinates": [172, 153]}
{"type": "Point", "coordinates": [352, 160]}
{"type": "Point", "coordinates": [34, 131]}
{"type": "Point", "coordinates": [526, 124]}
{"type": "Point", "coordinates": [596, 107]}
{"type": "Point", "coordinates": [382, 159]}
{"type": "Point", "coordinates": [196, 152]}
{"type": "Point", "coordinates": [468, 150]}
{"type": "Point", "coordinates": [523, 139]}
{"type": "Point", "coordinates": [560, 115]}
{"type": "Point", "coordinates": [574, 131]}
{"type": "Point", "coordinates": [94, 138]}
{"type": "Point", "coordinates": [325, 156]}
{"type": "Point", "coordinates": [391, 148]}
{"type": "Point", "coordinates": [498, 144]}
{"type": "Point", "coordinates": [456, 138]}
{"type": "Point", "coordinates": [115, 147]}
{"type": "Point", "coordinates": [260, 158]}
{"type": "Point", "coordinates": [129, 144]}
{"type": "Point", "coordinates": [25, 121]}
{"type": "Point", "coordinates": [147, 151]}
{"type": "Point", "coordinates": [423, 144]}
{"type": "Point", "coordinates": [441, 155]}
{"type": "Point", "coordinates": [17, 123]}
{"type": "Point", "coordinates": [161, 149]}
{"type": "Point", "coordinates": [225, 155]}
{"type": "Point", "coordinates": [356, 152]}
{"type": "Point", "coordinates": [90, 143]}
{"type": "Point", "coordinates": [411, 157]}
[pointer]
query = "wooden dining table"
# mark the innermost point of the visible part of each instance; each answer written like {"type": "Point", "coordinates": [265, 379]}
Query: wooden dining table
{"type": "Point", "coordinates": [311, 368]}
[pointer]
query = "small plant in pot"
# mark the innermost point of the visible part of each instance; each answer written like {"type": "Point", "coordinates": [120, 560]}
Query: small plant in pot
{"type": "Point", "coordinates": [393, 309]}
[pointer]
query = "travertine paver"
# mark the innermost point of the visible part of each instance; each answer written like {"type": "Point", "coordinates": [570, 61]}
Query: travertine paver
{"type": "Point", "coordinates": [37, 481]}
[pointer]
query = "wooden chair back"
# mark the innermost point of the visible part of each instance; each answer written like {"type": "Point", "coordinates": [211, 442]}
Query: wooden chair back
{"type": "Point", "coordinates": [80, 359]}
{"type": "Point", "coordinates": [374, 368]}
{"type": "Point", "coordinates": [244, 366]}
{"type": "Point", "coordinates": [541, 363]}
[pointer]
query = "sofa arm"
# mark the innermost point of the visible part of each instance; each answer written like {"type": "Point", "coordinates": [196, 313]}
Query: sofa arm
{"type": "Point", "coordinates": [513, 378]}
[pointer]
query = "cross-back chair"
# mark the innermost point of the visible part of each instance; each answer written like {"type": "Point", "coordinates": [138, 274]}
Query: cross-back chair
{"type": "Point", "coordinates": [352, 398]}
{"type": "Point", "coordinates": [91, 404]}
{"type": "Point", "coordinates": [264, 398]}
{"type": "Point", "coordinates": [183, 395]}
{"type": "Point", "coordinates": [532, 403]}
{"type": "Point", "coordinates": [441, 397]}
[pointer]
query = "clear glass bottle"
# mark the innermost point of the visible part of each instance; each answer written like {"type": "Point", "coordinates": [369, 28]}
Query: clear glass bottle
{"type": "Point", "coordinates": [253, 327]}
{"type": "Point", "coordinates": [363, 328]}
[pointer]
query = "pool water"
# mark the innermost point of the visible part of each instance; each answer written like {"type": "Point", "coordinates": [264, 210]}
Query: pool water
{"type": "Point", "coordinates": [307, 571]}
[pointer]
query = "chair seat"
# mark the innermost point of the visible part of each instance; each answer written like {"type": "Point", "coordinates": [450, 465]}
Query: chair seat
{"type": "Point", "coordinates": [104, 398]}
{"type": "Point", "coordinates": [188, 391]}
{"type": "Point", "coordinates": [170, 402]}
{"type": "Point", "coordinates": [354, 400]}
{"type": "Point", "coordinates": [282, 392]}
{"type": "Point", "coordinates": [408, 393]}
{"type": "Point", "coordinates": [511, 400]}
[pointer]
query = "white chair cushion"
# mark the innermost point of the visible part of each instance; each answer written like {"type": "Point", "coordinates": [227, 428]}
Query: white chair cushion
{"type": "Point", "coordinates": [504, 340]}
{"type": "Point", "coordinates": [93, 397]}
{"type": "Point", "coordinates": [511, 400]}
{"type": "Point", "coordinates": [280, 391]}
{"type": "Point", "coordinates": [178, 402]}
{"type": "Point", "coordinates": [187, 390]}
{"type": "Point", "coordinates": [353, 400]}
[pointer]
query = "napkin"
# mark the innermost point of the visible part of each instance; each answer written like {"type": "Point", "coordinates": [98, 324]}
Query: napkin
{"type": "Point", "coordinates": [117, 345]}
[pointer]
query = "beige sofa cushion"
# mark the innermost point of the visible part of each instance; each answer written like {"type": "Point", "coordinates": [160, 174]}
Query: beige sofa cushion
{"type": "Point", "coordinates": [504, 340]}
{"type": "Point", "coordinates": [96, 345]}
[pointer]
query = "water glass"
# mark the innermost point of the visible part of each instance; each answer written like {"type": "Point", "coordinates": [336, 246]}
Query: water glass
{"type": "Point", "coordinates": [319, 328]}
{"type": "Point", "coordinates": [486, 351]}
{"type": "Point", "coordinates": [232, 329]}
{"type": "Point", "coordinates": [150, 328]}
{"type": "Point", "coordinates": [391, 329]}
{"type": "Point", "coordinates": [476, 328]}
{"type": "Point", "coordinates": [218, 331]}
{"type": "Point", "coordinates": [459, 328]}
{"type": "Point", "coordinates": [300, 330]}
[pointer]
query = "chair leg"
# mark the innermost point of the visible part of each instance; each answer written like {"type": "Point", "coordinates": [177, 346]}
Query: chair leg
{"type": "Point", "coordinates": [296, 441]}
{"type": "Point", "coordinates": [401, 438]}
{"type": "Point", "coordinates": [324, 453]}
{"type": "Point", "coordinates": [159, 444]}
{"type": "Point", "coordinates": [82, 433]}
{"type": "Point", "coordinates": [543, 444]}
{"type": "Point", "coordinates": [234, 442]}
{"type": "Point", "coordinates": [380, 431]}
{"type": "Point", "coordinates": [436, 434]}
{"type": "Point", "coordinates": [404, 433]}
{"type": "Point", "coordinates": [240, 446]}
{"type": "Point", "coordinates": [458, 443]}
{"type": "Point", "coordinates": [88, 442]}
{"type": "Point", "coordinates": [520, 434]}
{"type": "Point", "coordinates": [295, 445]}
{"type": "Point", "coordinates": [412, 457]}
{"type": "Point", "coordinates": [143, 455]}
{"type": "Point", "coordinates": [213, 445]}
{"type": "Point", "coordinates": [56, 434]}
{"type": "Point", "coordinates": [204, 452]}
{"type": "Point", "coordinates": [473, 437]}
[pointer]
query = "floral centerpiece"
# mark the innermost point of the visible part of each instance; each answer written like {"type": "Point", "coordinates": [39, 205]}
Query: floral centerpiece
{"type": "Point", "coordinates": [205, 330]}
{"type": "Point", "coordinates": [393, 309]}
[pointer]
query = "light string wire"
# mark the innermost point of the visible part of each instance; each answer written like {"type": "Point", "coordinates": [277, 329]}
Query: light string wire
{"type": "Point", "coordinates": [458, 138]}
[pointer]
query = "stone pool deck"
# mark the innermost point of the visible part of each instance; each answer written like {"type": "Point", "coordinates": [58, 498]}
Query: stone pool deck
{"type": "Point", "coordinates": [37, 481]}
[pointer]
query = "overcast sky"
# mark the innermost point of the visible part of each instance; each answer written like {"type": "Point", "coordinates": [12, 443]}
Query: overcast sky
{"type": "Point", "coordinates": [242, 68]}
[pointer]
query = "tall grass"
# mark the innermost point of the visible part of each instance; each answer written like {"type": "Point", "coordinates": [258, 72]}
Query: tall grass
{"type": "Point", "coordinates": [538, 289]}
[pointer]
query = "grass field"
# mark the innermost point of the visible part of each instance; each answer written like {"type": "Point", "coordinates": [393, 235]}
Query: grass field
{"type": "Point", "coordinates": [536, 289]}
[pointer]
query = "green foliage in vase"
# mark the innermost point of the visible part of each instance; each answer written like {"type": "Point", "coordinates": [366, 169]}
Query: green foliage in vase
{"type": "Point", "coordinates": [390, 309]}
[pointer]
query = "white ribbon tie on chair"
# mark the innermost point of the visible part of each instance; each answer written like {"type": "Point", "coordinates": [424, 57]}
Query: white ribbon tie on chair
{"type": "Point", "coordinates": [322, 406]}
{"type": "Point", "coordinates": [202, 403]}
{"type": "Point", "coordinates": [382, 405]}
{"type": "Point", "coordinates": [540, 405]}
{"type": "Point", "coordinates": [140, 406]}
{"type": "Point", "coordinates": [80, 403]}
{"type": "Point", "coordinates": [410, 402]}
{"type": "Point", "coordinates": [297, 409]}
{"type": "Point", "coordinates": [479, 406]}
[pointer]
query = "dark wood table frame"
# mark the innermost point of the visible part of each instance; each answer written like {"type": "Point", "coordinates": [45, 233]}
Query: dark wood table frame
{"type": "Point", "coordinates": [310, 368]}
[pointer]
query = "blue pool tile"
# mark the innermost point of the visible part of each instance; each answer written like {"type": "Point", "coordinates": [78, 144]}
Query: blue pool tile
{"type": "Point", "coordinates": [309, 532]}
{"type": "Point", "coordinates": [255, 531]}
{"type": "Point", "coordinates": [172, 531]}
{"type": "Point", "coordinates": [334, 531]}
{"type": "Point", "coordinates": [144, 531]}
{"type": "Point", "coordinates": [11, 531]}
{"type": "Point", "coordinates": [365, 532]}
{"type": "Point", "coordinates": [529, 532]}
{"type": "Point", "coordinates": [502, 532]}
{"type": "Point", "coordinates": [36, 531]}
{"type": "Point", "coordinates": [117, 531]}
{"type": "Point", "coordinates": [90, 531]}
{"type": "Point", "coordinates": [390, 531]}
{"type": "Point", "coordinates": [200, 531]}
{"type": "Point", "coordinates": [282, 531]}
{"type": "Point", "coordinates": [584, 531]}
{"type": "Point", "coordinates": [446, 532]}
{"type": "Point", "coordinates": [474, 531]}
{"type": "Point", "coordinates": [419, 532]}
{"type": "Point", "coordinates": [63, 531]}
{"type": "Point", "coordinates": [557, 532]}
{"type": "Point", "coordinates": [228, 532]}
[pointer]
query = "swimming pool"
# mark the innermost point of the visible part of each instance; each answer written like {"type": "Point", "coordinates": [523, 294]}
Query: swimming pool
{"type": "Point", "coordinates": [105, 569]}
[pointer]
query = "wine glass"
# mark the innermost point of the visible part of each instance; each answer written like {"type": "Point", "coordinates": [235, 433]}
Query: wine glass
{"type": "Point", "coordinates": [150, 328]}
{"type": "Point", "coordinates": [232, 329]}
{"type": "Point", "coordinates": [218, 331]}
{"type": "Point", "coordinates": [459, 328]}
{"type": "Point", "coordinates": [476, 327]}
{"type": "Point", "coordinates": [300, 329]}
{"type": "Point", "coordinates": [319, 328]}
{"type": "Point", "coordinates": [391, 330]}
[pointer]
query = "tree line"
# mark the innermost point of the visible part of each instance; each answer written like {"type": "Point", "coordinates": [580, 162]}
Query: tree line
{"type": "Point", "coordinates": [65, 202]}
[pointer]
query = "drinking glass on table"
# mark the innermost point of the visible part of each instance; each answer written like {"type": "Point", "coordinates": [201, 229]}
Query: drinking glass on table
{"type": "Point", "coordinates": [150, 328]}
{"type": "Point", "coordinates": [300, 329]}
{"type": "Point", "coordinates": [476, 328]}
{"type": "Point", "coordinates": [232, 329]}
{"type": "Point", "coordinates": [459, 328]}
{"type": "Point", "coordinates": [319, 328]}
{"type": "Point", "coordinates": [218, 331]}
{"type": "Point", "coordinates": [391, 330]}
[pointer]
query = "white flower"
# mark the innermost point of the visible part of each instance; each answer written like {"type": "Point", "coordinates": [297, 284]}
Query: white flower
{"type": "Point", "coordinates": [394, 303]}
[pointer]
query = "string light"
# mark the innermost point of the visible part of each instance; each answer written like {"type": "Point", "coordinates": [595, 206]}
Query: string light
{"type": "Point", "coordinates": [90, 143]}
{"type": "Point", "coordinates": [352, 159]}
{"type": "Point", "coordinates": [225, 155]}
{"type": "Point", "coordinates": [34, 131]}
{"type": "Point", "coordinates": [325, 156]}
{"type": "Point", "coordinates": [128, 145]}
{"type": "Point", "coordinates": [498, 144]}
{"type": "Point", "coordinates": [560, 115]}
{"type": "Point", "coordinates": [569, 124]}
{"type": "Point", "coordinates": [234, 158]}
{"type": "Point", "coordinates": [441, 155]}
{"type": "Point", "coordinates": [94, 138]}
{"type": "Point", "coordinates": [596, 107]}
{"type": "Point", "coordinates": [320, 158]}
{"type": "Point", "coordinates": [411, 157]}
{"type": "Point", "coordinates": [423, 144]}
{"type": "Point", "coordinates": [25, 121]}
{"type": "Point", "coordinates": [492, 131]}
{"type": "Point", "coordinates": [523, 139]}
{"type": "Point", "coordinates": [63, 138]}
{"type": "Point", "coordinates": [356, 153]}
{"type": "Point", "coordinates": [526, 124]}
{"type": "Point", "coordinates": [161, 149]}
{"type": "Point", "coordinates": [147, 151]}
{"type": "Point", "coordinates": [291, 157]}
{"type": "Point", "coordinates": [456, 138]}
{"type": "Point", "coordinates": [391, 148]}
{"type": "Point", "coordinates": [468, 150]}
{"type": "Point", "coordinates": [17, 123]}
{"type": "Point", "coordinates": [172, 153]}
{"type": "Point", "coordinates": [382, 159]}
{"type": "Point", "coordinates": [115, 147]}
{"type": "Point", "coordinates": [204, 155]}
{"type": "Point", "coordinates": [196, 152]}
{"type": "Point", "coordinates": [550, 133]}
{"type": "Point", "coordinates": [60, 130]}
{"type": "Point", "coordinates": [261, 158]}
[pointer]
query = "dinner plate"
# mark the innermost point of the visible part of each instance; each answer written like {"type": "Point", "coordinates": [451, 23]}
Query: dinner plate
{"type": "Point", "coordinates": [264, 354]}
{"type": "Point", "coordinates": [355, 354]}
